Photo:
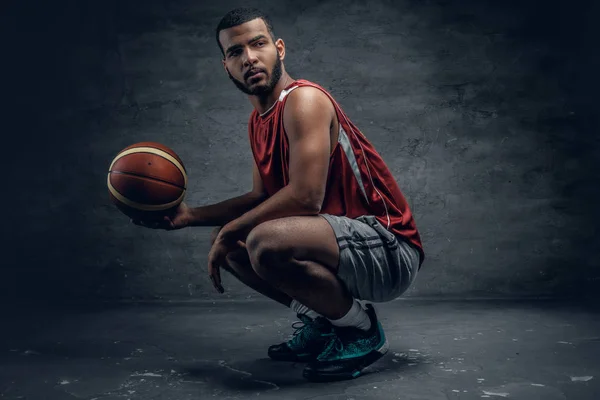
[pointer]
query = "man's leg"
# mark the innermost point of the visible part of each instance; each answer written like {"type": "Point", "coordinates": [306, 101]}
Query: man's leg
{"type": "Point", "coordinates": [323, 289]}
{"type": "Point", "coordinates": [307, 342]}
{"type": "Point", "coordinates": [238, 265]}
{"type": "Point", "coordinates": [300, 256]}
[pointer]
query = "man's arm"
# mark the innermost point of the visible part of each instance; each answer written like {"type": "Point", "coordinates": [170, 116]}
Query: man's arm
{"type": "Point", "coordinates": [307, 120]}
{"type": "Point", "coordinates": [220, 214]}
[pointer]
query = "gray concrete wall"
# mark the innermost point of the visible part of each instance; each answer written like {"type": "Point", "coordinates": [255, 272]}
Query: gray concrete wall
{"type": "Point", "coordinates": [482, 110]}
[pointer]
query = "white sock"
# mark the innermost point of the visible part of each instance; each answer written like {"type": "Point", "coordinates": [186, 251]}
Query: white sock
{"type": "Point", "coordinates": [300, 308]}
{"type": "Point", "coordinates": [357, 317]}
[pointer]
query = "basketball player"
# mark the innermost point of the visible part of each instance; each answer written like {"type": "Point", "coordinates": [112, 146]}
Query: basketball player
{"type": "Point", "coordinates": [325, 224]}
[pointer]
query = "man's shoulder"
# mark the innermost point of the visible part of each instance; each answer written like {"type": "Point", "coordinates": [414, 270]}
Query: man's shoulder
{"type": "Point", "coordinates": [308, 93]}
{"type": "Point", "coordinates": [304, 83]}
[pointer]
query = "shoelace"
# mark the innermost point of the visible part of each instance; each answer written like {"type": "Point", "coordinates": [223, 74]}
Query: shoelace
{"type": "Point", "coordinates": [298, 327]}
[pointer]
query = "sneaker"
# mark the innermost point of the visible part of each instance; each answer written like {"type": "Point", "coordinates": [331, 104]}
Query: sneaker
{"type": "Point", "coordinates": [307, 342]}
{"type": "Point", "coordinates": [349, 352]}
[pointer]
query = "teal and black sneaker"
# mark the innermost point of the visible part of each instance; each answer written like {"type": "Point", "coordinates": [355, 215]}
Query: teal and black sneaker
{"type": "Point", "coordinates": [348, 352]}
{"type": "Point", "coordinates": [307, 342]}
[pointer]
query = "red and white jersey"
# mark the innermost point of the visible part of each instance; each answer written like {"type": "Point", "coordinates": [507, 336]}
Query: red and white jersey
{"type": "Point", "coordinates": [358, 182]}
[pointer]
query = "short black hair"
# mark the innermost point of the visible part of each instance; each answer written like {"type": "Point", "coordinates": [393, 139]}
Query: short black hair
{"type": "Point", "coordinates": [240, 16]}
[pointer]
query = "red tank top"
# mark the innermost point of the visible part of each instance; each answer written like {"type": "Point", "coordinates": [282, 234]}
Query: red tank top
{"type": "Point", "coordinates": [358, 183]}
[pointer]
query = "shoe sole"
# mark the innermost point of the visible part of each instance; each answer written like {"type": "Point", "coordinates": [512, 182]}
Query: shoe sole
{"type": "Point", "coordinates": [366, 361]}
{"type": "Point", "coordinates": [296, 358]}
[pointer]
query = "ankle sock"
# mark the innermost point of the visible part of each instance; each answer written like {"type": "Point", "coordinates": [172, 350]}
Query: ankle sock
{"type": "Point", "coordinates": [356, 317]}
{"type": "Point", "coordinates": [300, 308]}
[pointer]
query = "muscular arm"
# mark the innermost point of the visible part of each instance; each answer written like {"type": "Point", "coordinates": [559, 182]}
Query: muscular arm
{"type": "Point", "coordinates": [221, 213]}
{"type": "Point", "coordinates": [307, 119]}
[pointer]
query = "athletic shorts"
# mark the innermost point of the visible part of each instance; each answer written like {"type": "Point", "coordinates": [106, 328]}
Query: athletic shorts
{"type": "Point", "coordinates": [375, 265]}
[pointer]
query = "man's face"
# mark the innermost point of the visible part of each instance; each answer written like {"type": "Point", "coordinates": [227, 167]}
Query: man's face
{"type": "Point", "coordinates": [251, 58]}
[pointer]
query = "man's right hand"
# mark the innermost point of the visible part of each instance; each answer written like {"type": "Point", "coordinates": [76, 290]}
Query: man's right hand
{"type": "Point", "coordinates": [180, 218]}
{"type": "Point", "coordinates": [214, 234]}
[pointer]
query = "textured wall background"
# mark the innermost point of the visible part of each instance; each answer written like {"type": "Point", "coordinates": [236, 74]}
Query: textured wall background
{"type": "Point", "coordinates": [483, 110]}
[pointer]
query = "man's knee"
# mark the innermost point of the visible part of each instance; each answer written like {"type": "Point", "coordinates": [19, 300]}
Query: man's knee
{"type": "Point", "coordinates": [237, 260]}
{"type": "Point", "coordinates": [266, 247]}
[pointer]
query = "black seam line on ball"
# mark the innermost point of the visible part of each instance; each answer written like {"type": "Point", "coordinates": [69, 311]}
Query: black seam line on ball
{"type": "Point", "coordinates": [144, 176]}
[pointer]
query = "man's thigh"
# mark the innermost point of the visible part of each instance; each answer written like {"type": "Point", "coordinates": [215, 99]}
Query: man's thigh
{"type": "Point", "coordinates": [305, 238]}
{"type": "Point", "coordinates": [373, 263]}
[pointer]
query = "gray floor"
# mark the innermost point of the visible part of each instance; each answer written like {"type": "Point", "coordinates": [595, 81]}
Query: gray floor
{"type": "Point", "coordinates": [439, 349]}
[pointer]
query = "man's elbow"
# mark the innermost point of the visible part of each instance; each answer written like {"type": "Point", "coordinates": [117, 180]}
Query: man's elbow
{"type": "Point", "coordinates": [311, 203]}
{"type": "Point", "coordinates": [314, 208]}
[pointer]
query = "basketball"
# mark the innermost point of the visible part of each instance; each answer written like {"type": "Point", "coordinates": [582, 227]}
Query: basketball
{"type": "Point", "coordinates": [147, 181]}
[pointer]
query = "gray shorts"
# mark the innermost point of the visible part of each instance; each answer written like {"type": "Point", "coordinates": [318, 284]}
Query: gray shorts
{"type": "Point", "coordinates": [375, 265]}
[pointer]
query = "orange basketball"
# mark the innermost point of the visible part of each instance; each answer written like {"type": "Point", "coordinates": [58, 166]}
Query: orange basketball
{"type": "Point", "coordinates": [147, 180]}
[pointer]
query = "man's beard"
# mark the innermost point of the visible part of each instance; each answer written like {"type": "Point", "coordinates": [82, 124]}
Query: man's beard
{"type": "Point", "coordinates": [261, 90]}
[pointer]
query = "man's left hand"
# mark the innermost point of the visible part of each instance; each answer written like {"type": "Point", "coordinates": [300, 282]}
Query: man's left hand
{"type": "Point", "coordinates": [223, 245]}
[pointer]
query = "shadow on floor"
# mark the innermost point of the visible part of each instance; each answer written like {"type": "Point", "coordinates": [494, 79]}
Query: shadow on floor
{"type": "Point", "coordinates": [264, 374]}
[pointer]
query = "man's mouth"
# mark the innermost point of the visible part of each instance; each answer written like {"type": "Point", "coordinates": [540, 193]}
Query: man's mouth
{"type": "Point", "coordinates": [254, 73]}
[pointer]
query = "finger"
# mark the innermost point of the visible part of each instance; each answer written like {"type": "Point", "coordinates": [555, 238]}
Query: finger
{"type": "Point", "coordinates": [216, 284]}
{"type": "Point", "coordinates": [212, 280]}
{"type": "Point", "coordinates": [211, 273]}
{"type": "Point", "coordinates": [168, 224]}
{"type": "Point", "coordinates": [215, 276]}
{"type": "Point", "coordinates": [148, 224]}
{"type": "Point", "coordinates": [220, 285]}
{"type": "Point", "coordinates": [241, 244]}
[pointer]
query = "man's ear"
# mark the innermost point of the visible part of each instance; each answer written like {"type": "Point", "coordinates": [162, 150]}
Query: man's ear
{"type": "Point", "coordinates": [280, 48]}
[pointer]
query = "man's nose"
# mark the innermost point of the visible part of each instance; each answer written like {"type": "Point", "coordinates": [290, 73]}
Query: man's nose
{"type": "Point", "coordinates": [250, 58]}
